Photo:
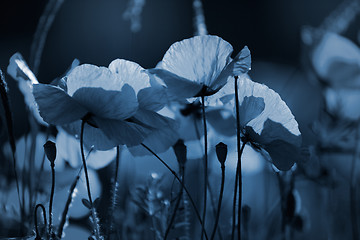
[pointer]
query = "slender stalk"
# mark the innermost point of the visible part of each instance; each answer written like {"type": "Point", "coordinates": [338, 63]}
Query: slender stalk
{"type": "Point", "coordinates": [95, 224]}
{"type": "Point", "coordinates": [177, 204]}
{"type": "Point", "coordinates": [38, 237]}
{"type": "Point", "coordinates": [220, 200]}
{"type": "Point", "coordinates": [9, 122]}
{"type": "Point", "coordinates": [205, 161]}
{"type": "Point", "coordinates": [114, 192]}
{"type": "Point", "coordinates": [67, 205]}
{"type": "Point", "coordinates": [51, 197]}
{"type": "Point", "coordinates": [238, 175]}
{"type": "Point", "coordinates": [199, 19]}
{"type": "Point", "coordinates": [42, 29]}
{"type": "Point", "coordinates": [353, 207]}
{"type": "Point", "coordinates": [182, 184]}
{"type": "Point", "coordinates": [282, 206]}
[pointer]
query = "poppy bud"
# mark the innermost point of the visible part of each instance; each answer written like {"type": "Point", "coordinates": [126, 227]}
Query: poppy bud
{"type": "Point", "coordinates": [50, 151]}
{"type": "Point", "coordinates": [180, 152]}
{"type": "Point", "coordinates": [221, 152]}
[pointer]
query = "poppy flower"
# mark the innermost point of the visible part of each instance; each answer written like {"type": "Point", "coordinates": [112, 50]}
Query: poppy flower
{"type": "Point", "coordinates": [200, 66]}
{"type": "Point", "coordinates": [118, 104]}
{"type": "Point", "coordinates": [265, 120]}
{"type": "Point", "coordinates": [19, 70]}
{"type": "Point", "coordinates": [336, 61]}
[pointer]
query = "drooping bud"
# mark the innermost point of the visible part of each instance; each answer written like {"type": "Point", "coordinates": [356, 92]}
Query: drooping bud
{"type": "Point", "coordinates": [221, 152]}
{"type": "Point", "coordinates": [50, 151]}
{"type": "Point", "coordinates": [180, 152]}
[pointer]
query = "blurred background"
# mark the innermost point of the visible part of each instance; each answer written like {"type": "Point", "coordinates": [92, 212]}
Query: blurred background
{"type": "Point", "coordinates": [98, 31]}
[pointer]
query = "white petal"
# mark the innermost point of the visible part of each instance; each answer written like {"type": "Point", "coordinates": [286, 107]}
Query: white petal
{"type": "Point", "coordinates": [106, 103]}
{"type": "Point", "coordinates": [275, 108]}
{"type": "Point", "coordinates": [130, 73]}
{"type": "Point", "coordinates": [56, 106]}
{"type": "Point", "coordinates": [91, 76]}
{"type": "Point", "coordinates": [200, 59]}
{"type": "Point", "coordinates": [337, 59]}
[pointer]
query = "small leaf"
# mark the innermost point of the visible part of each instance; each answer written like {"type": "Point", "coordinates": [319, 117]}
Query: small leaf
{"type": "Point", "coordinates": [86, 203]}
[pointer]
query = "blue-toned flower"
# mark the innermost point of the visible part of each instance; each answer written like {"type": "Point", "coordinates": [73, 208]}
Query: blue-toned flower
{"type": "Point", "coordinates": [118, 104]}
{"type": "Point", "coordinates": [265, 120]}
{"type": "Point", "coordinates": [336, 62]}
{"type": "Point", "coordinates": [200, 65]}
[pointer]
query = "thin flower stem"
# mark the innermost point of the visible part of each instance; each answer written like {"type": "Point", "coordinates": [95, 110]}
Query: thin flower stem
{"type": "Point", "coordinates": [205, 161]}
{"type": "Point", "coordinates": [177, 204]}
{"type": "Point", "coordinates": [282, 207]}
{"type": "Point", "coordinates": [220, 200]}
{"type": "Point", "coordinates": [182, 184]}
{"type": "Point", "coordinates": [199, 19]}
{"type": "Point", "coordinates": [36, 222]}
{"type": "Point", "coordinates": [9, 122]}
{"type": "Point", "coordinates": [238, 177]}
{"type": "Point", "coordinates": [42, 29]}
{"type": "Point", "coordinates": [51, 197]}
{"type": "Point", "coordinates": [353, 208]}
{"type": "Point", "coordinates": [114, 192]}
{"type": "Point", "coordinates": [95, 224]}
{"type": "Point", "coordinates": [67, 205]}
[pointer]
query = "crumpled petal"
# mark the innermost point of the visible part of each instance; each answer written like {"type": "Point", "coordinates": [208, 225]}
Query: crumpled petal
{"type": "Point", "coordinates": [283, 154]}
{"type": "Point", "coordinates": [275, 108]}
{"type": "Point", "coordinates": [130, 73]}
{"type": "Point", "coordinates": [250, 108]}
{"type": "Point", "coordinates": [152, 98]}
{"type": "Point", "coordinates": [107, 103]}
{"type": "Point", "coordinates": [159, 140]}
{"type": "Point", "coordinates": [241, 64]}
{"type": "Point", "coordinates": [337, 60]}
{"type": "Point", "coordinates": [200, 59]}
{"type": "Point", "coordinates": [55, 106]}
{"type": "Point", "coordinates": [91, 76]}
{"type": "Point", "coordinates": [19, 70]}
{"type": "Point", "coordinates": [177, 87]}
{"type": "Point", "coordinates": [123, 132]}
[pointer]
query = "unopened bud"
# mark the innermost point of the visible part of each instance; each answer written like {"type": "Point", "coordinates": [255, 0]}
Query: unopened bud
{"type": "Point", "coordinates": [180, 152]}
{"type": "Point", "coordinates": [221, 152]}
{"type": "Point", "coordinates": [50, 151]}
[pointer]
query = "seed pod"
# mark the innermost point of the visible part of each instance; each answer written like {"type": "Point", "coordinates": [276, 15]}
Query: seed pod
{"type": "Point", "coordinates": [221, 152]}
{"type": "Point", "coordinates": [50, 151]}
{"type": "Point", "coordinates": [180, 152]}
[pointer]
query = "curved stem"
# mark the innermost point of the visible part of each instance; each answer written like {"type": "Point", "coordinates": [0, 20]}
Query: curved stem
{"type": "Point", "coordinates": [35, 219]}
{"type": "Point", "coordinates": [51, 197]}
{"type": "Point", "coordinates": [114, 192]}
{"type": "Point", "coordinates": [220, 200]}
{"type": "Point", "coordinates": [353, 208]}
{"type": "Point", "coordinates": [96, 226]}
{"type": "Point", "coordinates": [67, 205]}
{"type": "Point", "coordinates": [177, 204]}
{"type": "Point", "coordinates": [205, 161]}
{"type": "Point", "coordinates": [182, 184]}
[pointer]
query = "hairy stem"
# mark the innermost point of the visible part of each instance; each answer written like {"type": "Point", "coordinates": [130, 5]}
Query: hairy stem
{"type": "Point", "coordinates": [182, 184]}
{"type": "Point", "coordinates": [93, 214]}
{"type": "Point", "coordinates": [67, 205]}
{"type": "Point", "coordinates": [114, 192]}
{"type": "Point", "coordinates": [51, 197]}
{"type": "Point", "coordinates": [177, 204]}
{"type": "Point", "coordinates": [36, 220]}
